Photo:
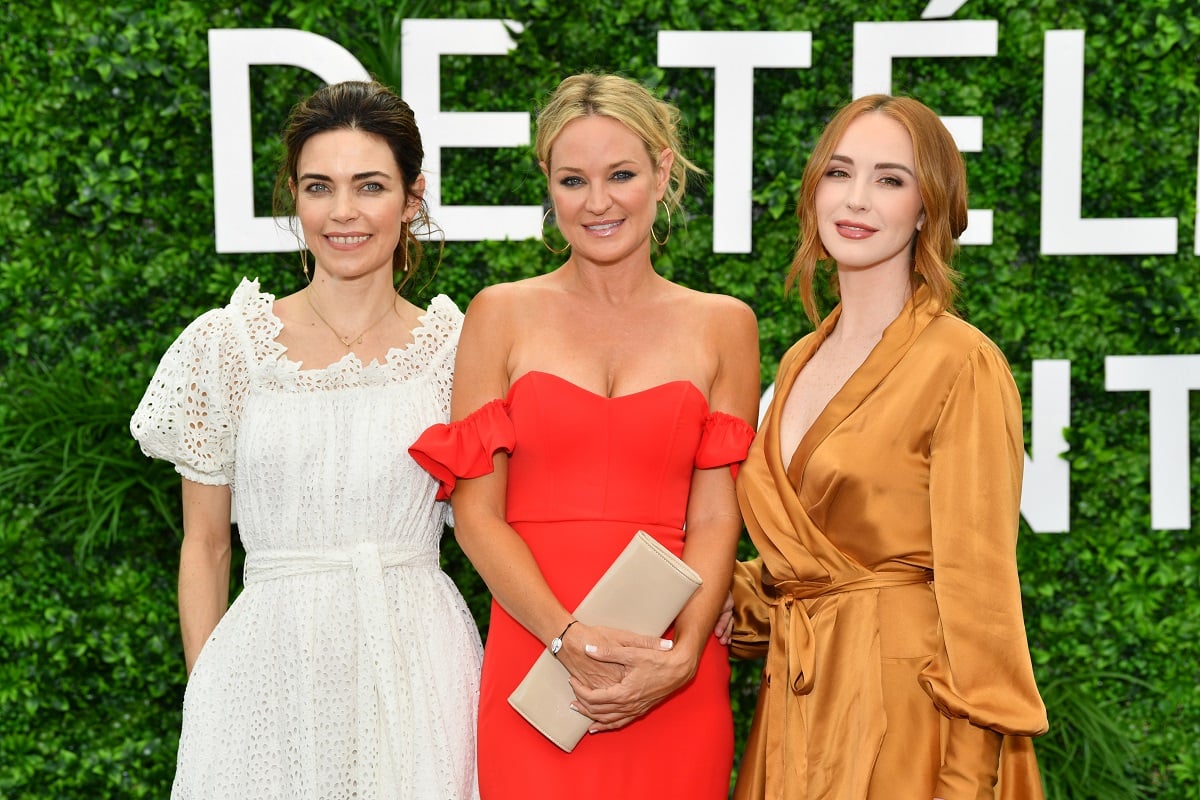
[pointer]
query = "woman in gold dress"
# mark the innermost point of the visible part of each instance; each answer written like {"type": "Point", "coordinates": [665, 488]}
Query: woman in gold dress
{"type": "Point", "coordinates": [882, 493]}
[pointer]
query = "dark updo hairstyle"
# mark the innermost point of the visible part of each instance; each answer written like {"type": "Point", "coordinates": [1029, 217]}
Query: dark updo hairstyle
{"type": "Point", "coordinates": [369, 107]}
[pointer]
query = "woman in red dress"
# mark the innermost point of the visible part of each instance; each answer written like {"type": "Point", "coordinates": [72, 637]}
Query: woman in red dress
{"type": "Point", "coordinates": [589, 403]}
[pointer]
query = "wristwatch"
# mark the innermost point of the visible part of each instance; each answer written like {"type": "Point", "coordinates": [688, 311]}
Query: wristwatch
{"type": "Point", "coordinates": [557, 642]}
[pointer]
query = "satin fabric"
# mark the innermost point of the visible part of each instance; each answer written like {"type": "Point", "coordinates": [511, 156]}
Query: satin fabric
{"type": "Point", "coordinates": [885, 597]}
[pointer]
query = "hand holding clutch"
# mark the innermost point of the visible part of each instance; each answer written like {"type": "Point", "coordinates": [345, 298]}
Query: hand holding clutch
{"type": "Point", "coordinates": [642, 592]}
{"type": "Point", "coordinates": [651, 671]}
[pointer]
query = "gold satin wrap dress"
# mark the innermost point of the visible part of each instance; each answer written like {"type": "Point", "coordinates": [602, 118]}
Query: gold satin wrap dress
{"type": "Point", "coordinates": [885, 596]}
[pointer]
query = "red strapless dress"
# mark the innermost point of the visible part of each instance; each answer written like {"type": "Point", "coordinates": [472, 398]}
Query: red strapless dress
{"type": "Point", "coordinates": [584, 473]}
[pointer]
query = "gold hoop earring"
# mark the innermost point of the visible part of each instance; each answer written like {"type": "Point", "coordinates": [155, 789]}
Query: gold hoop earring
{"type": "Point", "coordinates": [666, 238]}
{"type": "Point", "coordinates": [545, 217]}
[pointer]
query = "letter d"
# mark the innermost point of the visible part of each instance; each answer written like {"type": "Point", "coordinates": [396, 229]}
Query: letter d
{"type": "Point", "coordinates": [231, 52]}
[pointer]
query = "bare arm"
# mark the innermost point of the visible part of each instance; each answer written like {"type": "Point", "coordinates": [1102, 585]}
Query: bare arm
{"type": "Point", "coordinates": [714, 522]}
{"type": "Point", "coordinates": [203, 565]}
{"type": "Point", "coordinates": [498, 553]}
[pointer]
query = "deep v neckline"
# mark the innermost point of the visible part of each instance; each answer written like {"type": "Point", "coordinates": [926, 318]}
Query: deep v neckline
{"type": "Point", "coordinates": [897, 338]}
{"type": "Point", "coordinates": [819, 337]}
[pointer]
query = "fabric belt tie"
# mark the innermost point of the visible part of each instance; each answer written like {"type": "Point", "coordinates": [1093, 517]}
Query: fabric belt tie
{"type": "Point", "coordinates": [378, 638]}
{"type": "Point", "coordinates": [269, 565]}
{"type": "Point", "coordinates": [792, 656]}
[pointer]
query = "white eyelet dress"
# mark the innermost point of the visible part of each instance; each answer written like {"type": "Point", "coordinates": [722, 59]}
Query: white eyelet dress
{"type": "Point", "coordinates": [348, 667]}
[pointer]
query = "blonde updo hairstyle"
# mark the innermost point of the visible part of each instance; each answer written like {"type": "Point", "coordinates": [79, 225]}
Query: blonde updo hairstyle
{"type": "Point", "coordinates": [941, 180]}
{"type": "Point", "coordinates": [654, 121]}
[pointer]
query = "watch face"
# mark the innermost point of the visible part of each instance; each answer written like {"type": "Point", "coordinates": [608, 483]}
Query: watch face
{"type": "Point", "coordinates": [555, 646]}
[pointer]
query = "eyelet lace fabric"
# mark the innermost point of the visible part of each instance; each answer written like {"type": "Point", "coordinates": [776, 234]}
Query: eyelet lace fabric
{"type": "Point", "coordinates": [348, 667]}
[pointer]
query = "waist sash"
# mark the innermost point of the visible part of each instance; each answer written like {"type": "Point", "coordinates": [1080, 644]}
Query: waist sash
{"type": "Point", "coordinates": [377, 634]}
{"type": "Point", "coordinates": [849, 628]}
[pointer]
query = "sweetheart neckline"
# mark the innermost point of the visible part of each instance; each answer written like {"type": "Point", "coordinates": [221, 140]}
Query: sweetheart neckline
{"type": "Point", "coordinates": [599, 396]}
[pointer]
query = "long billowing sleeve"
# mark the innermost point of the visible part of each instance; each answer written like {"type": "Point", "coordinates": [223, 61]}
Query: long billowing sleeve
{"type": "Point", "coordinates": [981, 678]}
{"type": "Point", "coordinates": [751, 612]}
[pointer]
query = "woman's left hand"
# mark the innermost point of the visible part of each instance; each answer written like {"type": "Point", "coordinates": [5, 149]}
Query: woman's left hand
{"type": "Point", "coordinates": [723, 630]}
{"type": "Point", "coordinates": [650, 675]}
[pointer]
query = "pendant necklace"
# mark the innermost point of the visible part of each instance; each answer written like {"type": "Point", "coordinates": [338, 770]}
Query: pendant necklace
{"type": "Point", "coordinates": [348, 341]}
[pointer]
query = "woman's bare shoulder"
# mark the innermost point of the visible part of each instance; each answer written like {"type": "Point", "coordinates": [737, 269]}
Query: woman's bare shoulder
{"type": "Point", "coordinates": [512, 296]}
{"type": "Point", "coordinates": [721, 313]}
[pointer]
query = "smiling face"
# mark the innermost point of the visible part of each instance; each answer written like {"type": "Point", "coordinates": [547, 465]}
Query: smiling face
{"type": "Point", "coordinates": [351, 201]}
{"type": "Point", "coordinates": [867, 202]}
{"type": "Point", "coordinates": [604, 187]}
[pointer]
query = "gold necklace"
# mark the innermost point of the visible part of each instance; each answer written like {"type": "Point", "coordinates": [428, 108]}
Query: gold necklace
{"type": "Point", "coordinates": [348, 341]}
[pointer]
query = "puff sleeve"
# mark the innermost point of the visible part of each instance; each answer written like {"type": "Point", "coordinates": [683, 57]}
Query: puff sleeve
{"type": "Point", "coordinates": [982, 676]}
{"type": "Point", "coordinates": [189, 413]}
{"type": "Point", "coordinates": [445, 316]}
{"type": "Point", "coordinates": [724, 442]}
{"type": "Point", "coordinates": [464, 449]}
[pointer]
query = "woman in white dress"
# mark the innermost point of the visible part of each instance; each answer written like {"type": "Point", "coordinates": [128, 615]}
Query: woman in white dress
{"type": "Point", "coordinates": [348, 667]}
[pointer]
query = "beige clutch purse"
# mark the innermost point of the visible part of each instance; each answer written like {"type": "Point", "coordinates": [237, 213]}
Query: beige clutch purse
{"type": "Point", "coordinates": [643, 591]}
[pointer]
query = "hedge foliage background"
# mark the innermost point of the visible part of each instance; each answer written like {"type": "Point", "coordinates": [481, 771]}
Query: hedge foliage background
{"type": "Point", "coordinates": [108, 250]}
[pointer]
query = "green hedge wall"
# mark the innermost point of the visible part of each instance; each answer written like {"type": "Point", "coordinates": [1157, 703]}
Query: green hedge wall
{"type": "Point", "coordinates": [108, 250]}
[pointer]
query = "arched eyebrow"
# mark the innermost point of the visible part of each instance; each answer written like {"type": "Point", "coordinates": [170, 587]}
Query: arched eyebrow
{"type": "Point", "coordinates": [626, 162]}
{"type": "Point", "coordinates": [359, 176]}
{"type": "Point", "coordinates": [881, 165]}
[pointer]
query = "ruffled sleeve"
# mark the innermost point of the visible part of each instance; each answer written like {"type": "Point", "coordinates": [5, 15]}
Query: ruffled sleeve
{"type": "Point", "coordinates": [725, 441]}
{"type": "Point", "coordinates": [464, 449]}
{"type": "Point", "coordinates": [186, 415]}
{"type": "Point", "coordinates": [443, 324]}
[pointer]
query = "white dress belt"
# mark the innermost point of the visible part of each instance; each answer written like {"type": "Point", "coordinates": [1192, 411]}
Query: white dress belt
{"type": "Point", "coordinates": [265, 565]}
{"type": "Point", "coordinates": [378, 637]}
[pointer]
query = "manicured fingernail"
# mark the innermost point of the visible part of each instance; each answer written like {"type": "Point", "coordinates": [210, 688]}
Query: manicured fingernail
{"type": "Point", "coordinates": [666, 644]}
{"type": "Point", "coordinates": [573, 708]}
{"type": "Point", "coordinates": [590, 648]}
